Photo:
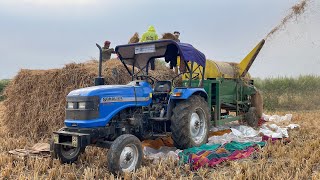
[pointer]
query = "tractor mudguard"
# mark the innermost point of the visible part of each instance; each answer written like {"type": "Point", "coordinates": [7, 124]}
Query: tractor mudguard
{"type": "Point", "coordinates": [185, 93]}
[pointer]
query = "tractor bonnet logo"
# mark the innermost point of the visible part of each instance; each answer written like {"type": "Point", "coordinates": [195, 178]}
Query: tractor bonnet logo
{"type": "Point", "coordinates": [112, 99]}
{"type": "Point", "coordinates": [123, 99]}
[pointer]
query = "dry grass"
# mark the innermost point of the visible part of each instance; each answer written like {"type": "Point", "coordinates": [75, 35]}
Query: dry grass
{"type": "Point", "coordinates": [298, 160]}
{"type": "Point", "coordinates": [35, 103]}
{"type": "Point", "coordinates": [296, 10]}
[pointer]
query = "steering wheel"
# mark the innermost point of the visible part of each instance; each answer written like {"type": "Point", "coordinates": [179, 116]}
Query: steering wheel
{"type": "Point", "coordinates": [142, 77]}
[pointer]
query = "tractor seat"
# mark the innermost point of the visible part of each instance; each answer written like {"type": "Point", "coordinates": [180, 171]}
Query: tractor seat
{"type": "Point", "coordinates": [162, 87]}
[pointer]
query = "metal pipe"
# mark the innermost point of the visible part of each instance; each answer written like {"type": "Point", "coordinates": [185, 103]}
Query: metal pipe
{"type": "Point", "coordinates": [100, 59]}
{"type": "Point", "coordinates": [191, 72]}
{"type": "Point", "coordinates": [99, 80]}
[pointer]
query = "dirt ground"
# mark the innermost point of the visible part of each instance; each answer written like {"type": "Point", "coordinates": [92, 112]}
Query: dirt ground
{"type": "Point", "coordinates": [299, 159]}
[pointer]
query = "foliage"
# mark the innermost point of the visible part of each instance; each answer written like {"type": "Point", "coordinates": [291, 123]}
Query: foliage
{"type": "Point", "coordinates": [3, 84]}
{"type": "Point", "coordinates": [287, 93]}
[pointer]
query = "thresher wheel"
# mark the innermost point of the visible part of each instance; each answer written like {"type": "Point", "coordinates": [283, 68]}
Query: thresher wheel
{"type": "Point", "coordinates": [257, 102]}
{"type": "Point", "coordinates": [251, 117]}
{"type": "Point", "coordinates": [125, 154]}
{"type": "Point", "coordinates": [190, 122]}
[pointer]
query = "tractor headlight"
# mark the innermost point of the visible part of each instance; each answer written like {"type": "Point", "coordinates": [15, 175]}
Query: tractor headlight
{"type": "Point", "coordinates": [56, 138]}
{"type": "Point", "coordinates": [70, 105]}
{"type": "Point", "coordinates": [82, 105]}
{"type": "Point", "coordinates": [74, 142]}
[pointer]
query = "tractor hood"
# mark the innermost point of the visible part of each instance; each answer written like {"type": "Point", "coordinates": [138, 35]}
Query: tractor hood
{"type": "Point", "coordinates": [103, 102]}
{"type": "Point", "coordinates": [100, 90]}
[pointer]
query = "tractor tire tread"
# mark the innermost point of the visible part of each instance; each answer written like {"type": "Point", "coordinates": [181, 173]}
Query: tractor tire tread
{"type": "Point", "coordinates": [180, 124]}
{"type": "Point", "coordinates": [113, 154]}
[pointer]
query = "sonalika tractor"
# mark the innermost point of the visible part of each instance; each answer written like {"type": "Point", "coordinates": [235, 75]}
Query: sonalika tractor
{"type": "Point", "coordinates": [118, 117]}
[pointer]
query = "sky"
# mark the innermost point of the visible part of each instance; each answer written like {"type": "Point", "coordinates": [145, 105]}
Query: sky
{"type": "Point", "coordinates": [44, 34]}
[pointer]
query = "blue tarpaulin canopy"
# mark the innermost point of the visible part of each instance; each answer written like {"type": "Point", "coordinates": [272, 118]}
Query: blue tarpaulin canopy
{"type": "Point", "coordinates": [138, 54]}
{"type": "Point", "coordinates": [189, 53]}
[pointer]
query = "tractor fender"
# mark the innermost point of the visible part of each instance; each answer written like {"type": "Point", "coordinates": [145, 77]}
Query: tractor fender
{"type": "Point", "coordinates": [185, 94]}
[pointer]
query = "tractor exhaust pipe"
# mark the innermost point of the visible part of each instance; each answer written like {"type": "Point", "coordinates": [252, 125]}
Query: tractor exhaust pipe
{"type": "Point", "coordinates": [99, 80]}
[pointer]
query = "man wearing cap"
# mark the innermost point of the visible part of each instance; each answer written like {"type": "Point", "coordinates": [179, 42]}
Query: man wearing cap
{"type": "Point", "coordinates": [107, 51]}
{"type": "Point", "coordinates": [177, 35]}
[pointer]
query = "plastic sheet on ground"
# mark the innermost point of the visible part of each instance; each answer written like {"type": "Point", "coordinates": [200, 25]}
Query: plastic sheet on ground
{"type": "Point", "coordinates": [235, 135]}
{"type": "Point", "coordinates": [277, 118]}
{"type": "Point", "coordinates": [274, 131]}
{"type": "Point", "coordinates": [163, 153]}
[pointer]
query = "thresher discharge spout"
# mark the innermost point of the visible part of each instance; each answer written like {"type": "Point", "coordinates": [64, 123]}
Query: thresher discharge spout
{"type": "Point", "coordinates": [246, 63]}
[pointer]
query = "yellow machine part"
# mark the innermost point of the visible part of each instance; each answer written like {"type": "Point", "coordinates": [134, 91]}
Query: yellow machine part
{"type": "Point", "coordinates": [215, 69]}
{"type": "Point", "coordinates": [228, 70]}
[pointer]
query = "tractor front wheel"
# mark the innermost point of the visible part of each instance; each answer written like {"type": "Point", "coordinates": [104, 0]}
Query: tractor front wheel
{"type": "Point", "coordinates": [66, 154]}
{"type": "Point", "coordinates": [125, 154]}
{"type": "Point", "coordinates": [190, 123]}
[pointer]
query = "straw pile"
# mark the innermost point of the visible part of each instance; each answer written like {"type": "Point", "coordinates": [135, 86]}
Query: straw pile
{"type": "Point", "coordinates": [169, 36]}
{"type": "Point", "coordinates": [296, 10]}
{"type": "Point", "coordinates": [35, 104]}
{"type": "Point", "coordinates": [134, 38]}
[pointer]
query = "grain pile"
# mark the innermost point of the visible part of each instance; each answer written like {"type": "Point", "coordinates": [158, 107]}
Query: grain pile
{"type": "Point", "coordinates": [35, 104]}
{"type": "Point", "coordinates": [296, 10]}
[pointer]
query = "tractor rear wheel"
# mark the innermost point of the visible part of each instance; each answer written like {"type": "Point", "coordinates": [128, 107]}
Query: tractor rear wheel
{"type": "Point", "coordinates": [252, 117]}
{"type": "Point", "coordinates": [125, 154]}
{"type": "Point", "coordinates": [66, 154]}
{"type": "Point", "coordinates": [190, 123]}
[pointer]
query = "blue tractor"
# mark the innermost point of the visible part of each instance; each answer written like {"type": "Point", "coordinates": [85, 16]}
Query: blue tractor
{"type": "Point", "coordinates": [118, 117]}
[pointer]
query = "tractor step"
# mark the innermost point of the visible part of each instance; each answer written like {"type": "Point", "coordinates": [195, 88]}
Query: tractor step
{"type": "Point", "coordinates": [158, 119]}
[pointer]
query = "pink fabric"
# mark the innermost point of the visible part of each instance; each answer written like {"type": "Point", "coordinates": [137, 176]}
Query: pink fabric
{"type": "Point", "coordinates": [201, 160]}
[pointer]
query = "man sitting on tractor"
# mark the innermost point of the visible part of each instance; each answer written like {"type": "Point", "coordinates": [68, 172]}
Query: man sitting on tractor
{"type": "Point", "coordinates": [107, 51]}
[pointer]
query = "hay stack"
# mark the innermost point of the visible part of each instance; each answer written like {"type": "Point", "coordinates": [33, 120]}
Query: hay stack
{"type": "Point", "coordinates": [169, 36]}
{"type": "Point", "coordinates": [134, 38]}
{"type": "Point", "coordinates": [35, 103]}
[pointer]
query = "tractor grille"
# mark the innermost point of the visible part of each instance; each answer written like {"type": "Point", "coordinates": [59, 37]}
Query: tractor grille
{"type": "Point", "coordinates": [88, 112]}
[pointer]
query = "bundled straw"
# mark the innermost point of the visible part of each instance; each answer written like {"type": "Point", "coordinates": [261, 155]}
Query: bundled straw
{"type": "Point", "coordinates": [134, 38]}
{"type": "Point", "coordinates": [35, 103]}
{"type": "Point", "coordinates": [169, 36]}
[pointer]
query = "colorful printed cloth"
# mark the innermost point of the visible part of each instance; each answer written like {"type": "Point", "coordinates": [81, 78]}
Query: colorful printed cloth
{"type": "Point", "coordinates": [211, 155]}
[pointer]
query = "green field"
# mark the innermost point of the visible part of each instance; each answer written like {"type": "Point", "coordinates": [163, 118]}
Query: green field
{"type": "Point", "coordinates": [3, 84]}
{"type": "Point", "coordinates": [286, 93]}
